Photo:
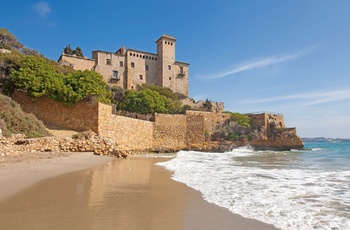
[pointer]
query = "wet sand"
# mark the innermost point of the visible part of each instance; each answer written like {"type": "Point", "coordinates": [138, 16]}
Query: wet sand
{"type": "Point", "coordinates": [32, 168]}
{"type": "Point", "coordinates": [128, 194]}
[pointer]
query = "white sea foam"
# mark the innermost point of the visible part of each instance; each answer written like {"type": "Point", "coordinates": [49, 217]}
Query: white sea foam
{"type": "Point", "coordinates": [289, 198]}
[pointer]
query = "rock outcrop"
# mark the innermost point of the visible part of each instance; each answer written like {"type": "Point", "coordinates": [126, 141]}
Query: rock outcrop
{"type": "Point", "coordinates": [83, 142]}
{"type": "Point", "coordinates": [279, 139]}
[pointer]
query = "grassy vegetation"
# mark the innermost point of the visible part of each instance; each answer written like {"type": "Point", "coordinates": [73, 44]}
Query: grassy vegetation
{"type": "Point", "coordinates": [14, 120]}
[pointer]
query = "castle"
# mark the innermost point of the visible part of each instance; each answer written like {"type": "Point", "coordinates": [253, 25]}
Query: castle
{"type": "Point", "coordinates": [128, 68]}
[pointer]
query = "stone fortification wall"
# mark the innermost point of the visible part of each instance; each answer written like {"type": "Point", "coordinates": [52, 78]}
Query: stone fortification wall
{"type": "Point", "coordinates": [263, 120]}
{"type": "Point", "coordinates": [80, 117]}
{"type": "Point", "coordinates": [111, 66]}
{"type": "Point", "coordinates": [195, 128]}
{"type": "Point", "coordinates": [201, 124]}
{"type": "Point", "coordinates": [169, 132]}
{"type": "Point", "coordinates": [166, 133]}
{"type": "Point", "coordinates": [130, 134]}
{"type": "Point", "coordinates": [76, 62]}
{"type": "Point", "coordinates": [217, 107]}
{"type": "Point", "coordinates": [142, 68]}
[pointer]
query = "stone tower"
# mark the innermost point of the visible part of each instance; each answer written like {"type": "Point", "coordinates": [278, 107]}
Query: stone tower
{"type": "Point", "coordinates": [166, 61]}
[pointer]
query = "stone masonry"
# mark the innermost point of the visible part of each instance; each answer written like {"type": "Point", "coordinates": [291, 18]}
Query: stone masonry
{"type": "Point", "coordinates": [168, 133]}
{"type": "Point", "coordinates": [128, 68]}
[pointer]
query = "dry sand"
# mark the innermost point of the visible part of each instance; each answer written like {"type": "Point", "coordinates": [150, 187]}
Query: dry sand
{"type": "Point", "coordinates": [128, 194]}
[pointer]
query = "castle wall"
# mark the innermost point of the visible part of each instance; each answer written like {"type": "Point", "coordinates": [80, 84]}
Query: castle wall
{"type": "Point", "coordinates": [169, 132]}
{"type": "Point", "coordinates": [129, 68]}
{"type": "Point", "coordinates": [200, 124]}
{"type": "Point", "coordinates": [142, 68]}
{"type": "Point", "coordinates": [181, 78]}
{"type": "Point", "coordinates": [107, 63]}
{"type": "Point", "coordinates": [263, 120]}
{"type": "Point", "coordinates": [130, 134]}
{"type": "Point", "coordinates": [79, 117]}
{"type": "Point", "coordinates": [78, 63]}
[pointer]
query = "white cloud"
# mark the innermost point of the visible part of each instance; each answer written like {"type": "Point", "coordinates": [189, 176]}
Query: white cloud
{"type": "Point", "coordinates": [310, 98]}
{"type": "Point", "coordinates": [256, 64]}
{"type": "Point", "coordinates": [42, 8]}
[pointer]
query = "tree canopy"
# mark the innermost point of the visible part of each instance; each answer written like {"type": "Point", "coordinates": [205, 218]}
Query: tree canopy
{"type": "Point", "coordinates": [8, 40]}
{"type": "Point", "coordinates": [39, 77]}
{"type": "Point", "coordinates": [145, 101]}
{"type": "Point", "coordinates": [78, 51]}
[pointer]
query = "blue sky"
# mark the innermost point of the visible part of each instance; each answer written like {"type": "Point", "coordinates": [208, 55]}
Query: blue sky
{"type": "Point", "coordinates": [290, 57]}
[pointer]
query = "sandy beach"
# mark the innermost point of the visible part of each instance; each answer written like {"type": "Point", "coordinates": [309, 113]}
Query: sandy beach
{"type": "Point", "coordinates": [82, 191]}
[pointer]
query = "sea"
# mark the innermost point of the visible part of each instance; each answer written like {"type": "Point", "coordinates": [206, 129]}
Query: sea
{"type": "Point", "coordinates": [292, 190]}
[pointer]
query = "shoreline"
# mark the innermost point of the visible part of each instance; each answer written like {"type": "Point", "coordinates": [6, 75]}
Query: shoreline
{"type": "Point", "coordinates": [130, 193]}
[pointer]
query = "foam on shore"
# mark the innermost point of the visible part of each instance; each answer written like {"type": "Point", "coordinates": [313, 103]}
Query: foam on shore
{"type": "Point", "coordinates": [131, 193]}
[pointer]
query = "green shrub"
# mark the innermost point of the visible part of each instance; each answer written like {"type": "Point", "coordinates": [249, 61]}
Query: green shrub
{"type": "Point", "coordinates": [38, 77]}
{"type": "Point", "coordinates": [240, 119]}
{"type": "Point", "coordinates": [146, 101]}
{"type": "Point", "coordinates": [173, 105]}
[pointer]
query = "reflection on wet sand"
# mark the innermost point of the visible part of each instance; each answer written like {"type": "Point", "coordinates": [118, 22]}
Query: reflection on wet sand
{"type": "Point", "coordinates": [119, 195]}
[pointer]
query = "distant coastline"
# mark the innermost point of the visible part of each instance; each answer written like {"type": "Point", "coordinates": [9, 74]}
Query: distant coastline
{"type": "Point", "coordinates": [324, 139]}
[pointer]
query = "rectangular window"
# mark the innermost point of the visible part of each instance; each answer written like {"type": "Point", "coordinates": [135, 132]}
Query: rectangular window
{"type": "Point", "coordinates": [115, 74]}
{"type": "Point", "coordinates": [121, 64]}
{"type": "Point", "coordinates": [140, 77]}
{"type": "Point", "coordinates": [146, 67]}
{"type": "Point", "coordinates": [108, 61]}
{"type": "Point", "coordinates": [169, 67]}
{"type": "Point", "coordinates": [132, 65]}
{"type": "Point", "coordinates": [181, 70]}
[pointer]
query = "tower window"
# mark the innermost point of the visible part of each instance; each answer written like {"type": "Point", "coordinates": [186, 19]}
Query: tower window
{"type": "Point", "coordinates": [115, 74]}
{"type": "Point", "coordinates": [169, 67]}
{"type": "Point", "coordinates": [121, 64]}
{"type": "Point", "coordinates": [146, 67]}
{"type": "Point", "coordinates": [169, 78]}
{"type": "Point", "coordinates": [141, 77]}
{"type": "Point", "coordinates": [108, 61]}
{"type": "Point", "coordinates": [181, 70]}
{"type": "Point", "coordinates": [132, 65]}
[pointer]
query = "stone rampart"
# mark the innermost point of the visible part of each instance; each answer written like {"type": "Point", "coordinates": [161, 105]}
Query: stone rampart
{"type": "Point", "coordinates": [76, 62]}
{"type": "Point", "coordinates": [130, 134]}
{"type": "Point", "coordinates": [169, 132]}
{"type": "Point", "coordinates": [80, 117]}
{"type": "Point", "coordinates": [200, 125]}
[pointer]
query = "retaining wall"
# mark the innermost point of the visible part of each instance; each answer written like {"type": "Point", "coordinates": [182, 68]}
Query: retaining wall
{"type": "Point", "coordinates": [130, 133]}
{"type": "Point", "coordinates": [169, 132]}
{"type": "Point", "coordinates": [80, 117]}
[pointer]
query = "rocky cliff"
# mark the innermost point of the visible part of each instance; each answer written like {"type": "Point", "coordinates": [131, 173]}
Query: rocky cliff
{"type": "Point", "coordinates": [269, 133]}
